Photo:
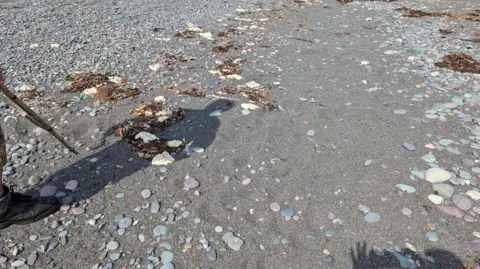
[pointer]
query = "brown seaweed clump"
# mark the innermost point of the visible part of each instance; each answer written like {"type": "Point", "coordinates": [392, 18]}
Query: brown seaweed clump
{"type": "Point", "coordinates": [460, 62]}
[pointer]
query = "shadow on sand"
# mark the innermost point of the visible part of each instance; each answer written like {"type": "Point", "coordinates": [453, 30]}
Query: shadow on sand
{"type": "Point", "coordinates": [118, 161]}
{"type": "Point", "coordinates": [364, 259]}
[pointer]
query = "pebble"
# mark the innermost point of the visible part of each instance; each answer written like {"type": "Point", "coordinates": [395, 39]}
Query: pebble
{"type": "Point", "coordinates": [163, 170]}
{"type": "Point", "coordinates": [167, 257]}
{"type": "Point", "coordinates": [371, 217]}
{"type": "Point", "coordinates": [275, 207]}
{"type": "Point", "coordinates": [408, 146]}
{"type": "Point", "coordinates": [146, 136]}
{"type": "Point", "coordinates": [191, 183]}
{"type": "Point", "coordinates": [287, 212]}
{"type": "Point", "coordinates": [114, 256]}
{"type": "Point", "coordinates": [443, 189]}
{"type": "Point", "coordinates": [232, 241]}
{"type": "Point", "coordinates": [168, 266]}
{"type": "Point", "coordinates": [146, 193]}
{"type": "Point", "coordinates": [462, 202]}
{"type": "Point", "coordinates": [451, 210]}
{"type": "Point", "coordinates": [112, 245]}
{"type": "Point", "coordinates": [438, 200]}
{"type": "Point", "coordinates": [163, 159]}
{"type": "Point", "coordinates": [212, 255]}
{"type": "Point", "coordinates": [78, 210]}
{"type": "Point", "coordinates": [310, 132]}
{"type": "Point", "coordinates": [218, 229]}
{"type": "Point", "coordinates": [155, 207]}
{"type": "Point", "coordinates": [407, 212]}
{"type": "Point", "coordinates": [400, 111]}
{"type": "Point", "coordinates": [437, 175]}
{"type": "Point", "coordinates": [406, 188]}
{"type": "Point", "coordinates": [432, 236]}
{"type": "Point", "coordinates": [48, 190]}
{"type": "Point", "coordinates": [34, 180]}
{"type": "Point", "coordinates": [216, 113]}
{"type": "Point", "coordinates": [71, 185]}
{"type": "Point", "coordinates": [474, 194]}
{"type": "Point", "coordinates": [125, 222]}
{"type": "Point", "coordinates": [17, 263]}
{"type": "Point", "coordinates": [367, 163]}
{"type": "Point", "coordinates": [327, 258]}
{"type": "Point", "coordinates": [160, 230]}
{"type": "Point", "coordinates": [32, 258]}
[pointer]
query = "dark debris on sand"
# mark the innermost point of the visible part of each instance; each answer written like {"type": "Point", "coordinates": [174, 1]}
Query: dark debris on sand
{"type": "Point", "coordinates": [407, 12]}
{"type": "Point", "coordinates": [81, 81]}
{"type": "Point", "coordinates": [460, 62]}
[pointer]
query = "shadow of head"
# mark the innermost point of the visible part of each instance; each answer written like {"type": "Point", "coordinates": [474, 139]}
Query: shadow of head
{"type": "Point", "coordinates": [362, 258]}
{"type": "Point", "coordinates": [110, 164]}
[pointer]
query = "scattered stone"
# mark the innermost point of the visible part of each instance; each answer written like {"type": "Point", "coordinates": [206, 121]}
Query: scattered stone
{"type": "Point", "coordinates": [444, 190]}
{"type": "Point", "coordinates": [34, 180]}
{"type": "Point", "coordinates": [114, 256]}
{"type": "Point", "coordinates": [408, 146]}
{"type": "Point", "coordinates": [212, 255]}
{"type": "Point", "coordinates": [287, 212]}
{"type": "Point", "coordinates": [71, 185]}
{"type": "Point", "coordinates": [474, 194]}
{"type": "Point", "coordinates": [78, 210]}
{"type": "Point", "coordinates": [125, 222]}
{"type": "Point", "coordinates": [146, 193]}
{"type": "Point", "coordinates": [400, 111]}
{"type": "Point", "coordinates": [462, 202]}
{"type": "Point", "coordinates": [371, 217]}
{"type": "Point", "coordinates": [163, 159]}
{"type": "Point", "coordinates": [406, 188]}
{"type": "Point", "coordinates": [438, 200]}
{"type": "Point", "coordinates": [160, 230]}
{"type": "Point", "coordinates": [112, 245]}
{"type": "Point", "coordinates": [367, 163]}
{"type": "Point", "coordinates": [451, 210]}
{"type": "Point", "coordinates": [48, 190]}
{"type": "Point", "coordinates": [168, 266]}
{"type": "Point", "coordinates": [275, 207]}
{"type": "Point", "coordinates": [191, 183]}
{"type": "Point", "coordinates": [432, 236]}
{"type": "Point", "coordinates": [167, 257]}
{"type": "Point", "coordinates": [155, 207]}
{"type": "Point", "coordinates": [437, 175]}
{"type": "Point", "coordinates": [32, 258]}
{"type": "Point", "coordinates": [232, 241]}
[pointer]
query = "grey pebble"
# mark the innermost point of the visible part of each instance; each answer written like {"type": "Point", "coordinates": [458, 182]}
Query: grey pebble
{"type": "Point", "coordinates": [114, 256]}
{"type": "Point", "coordinates": [155, 207]}
{"type": "Point", "coordinates": [125, 222]}
{"type": "Point", "coordinates": [160, 230]}
{"type": "Point", "coordinates": [409, 146]}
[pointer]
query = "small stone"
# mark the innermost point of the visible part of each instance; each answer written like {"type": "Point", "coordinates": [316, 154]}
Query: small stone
{"type": "Point", "coordinates": [435, 74]}
{"type": "Point", "coordinates": [32, 258]}
{"type": "Point", "coordinates": [409, 146]}
{"type": "Point", "coordinates": [216, 113]}
{"type": "Point", "coordinates": [364, 62]}
{"type": "Point", "coordinates": [468, 218]}
{"type": "Point", "coordinates": [212, 255]}
{"type": "Point", "coordinates": [437, 175]}
{"type": "Point", "coordinates": [462, 202]}
{"type": "Point", "coordinates": [71, 185]}
{"type": "Point", "coordinates": [310, 132]}
{"type": "Point", "coordinates": [429, 158]}
{"type": "Point", "coordinates": [438, 200]}
{"type": "Point", "coordinates": [78, 210]}
{"type": "Point", "coordinates": [167, 257]}
{"type": "Point", "coordinates": [146, 137]}
{"type": "Point", "coordinates": [275, 207]}
{"type": "Point", "coordinates": [168, 266]}
{"type": "Point", "coordinates": [327, 258]}
{"type": "Point", "coordinates": [34, 180]}
{"type": "Point", "coordinates": [121, 231]}
{"type": "Point", "coordinates": [160, 230]}
{"type": "Point", "coordinates": [400, 111]}
{"type": "Point", "coordinates": [112, 245]}
{"type": "Point", "coordinates": [120, 195]}
{"type": "Point", "coordinates": [443, 189]}
{"type": "Point", "coordinates": [48, 190]}
{"type": "Point", "coordinates": [287, 212]}
{"type": "Point", "coordinates": [163, 170]}
{"type": "Point", "coordinates": [125, 222]}
{"type": "Point", "coordinates": [17, 263]}
{"type": "Point", "coordinates": [432, 236]}
{"type": "Point", "coordinates": [163, 159]}
{"type": "Point", "coordinates": [218, 229]}
{"type": "Point", "coordinates": [146, 193]}
{"type": "Point", "coordinates": [367, 163]}
{"type": "Point", "coordinates": [407, 212]}
{"type": "Point", "coordinates": [371, 217]}
{"type": "Point", "coordinates": [191, 183]}
{"type": "Point", "coordinates": [406, 188]}
{"type": "Point", "coordinates": [474, 194]}
{"type": "Point", "coordinates": [155, 207]}
{"type": "Point", "coordinates": [451, 210]}
{"type": "Point", "coordinates": [114, 256]}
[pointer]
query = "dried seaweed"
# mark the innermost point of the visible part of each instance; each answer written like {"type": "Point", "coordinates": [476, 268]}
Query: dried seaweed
{"type": "Point", "coordinates": [342, 34]}
{"type": "Point", "coordinates": [131, 128]}
{"type": "Point", "coordinates": [194, 92]}
{"type": "Point", "coordinates": [460, 62]}
{"type": "Point", "coordinates": [30, 94]}
{"type": "Point", "coordinates": [111, 92]}
{"type": "Point", "coordinates": [407, 12]}
{"type": "Point", "coordinates": [227, 90]}
{"type": "Point", "coordinates": [258, 95]}
{"type": "Point", "coordinates": [229, 67]}
{"type": "Point", "coordinates": [474, 40]}
{"type": "Point", "coordinates": [147, 110]}
{"type": "Point", "coordinates": [81, 81]}
{"type": "Point", "coordinates": [225, 48]}
{"type": "Point", "coordinates": [150, 149]}
{"type": "Point", "coordinates": [228, 33]}
{"type": "Point", "coordinates": [445, 31]}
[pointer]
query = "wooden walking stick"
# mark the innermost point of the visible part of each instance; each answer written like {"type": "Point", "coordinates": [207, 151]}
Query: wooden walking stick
{"type": "Point", "coordinates": [31, 115]}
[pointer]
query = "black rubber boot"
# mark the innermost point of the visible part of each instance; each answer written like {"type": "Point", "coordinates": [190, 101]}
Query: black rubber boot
{"type": "Point", "coordinates": [19, 209]}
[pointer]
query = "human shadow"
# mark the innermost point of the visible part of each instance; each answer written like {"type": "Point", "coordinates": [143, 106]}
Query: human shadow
{"type": "Point", "coordinates": [117, 161]}
{"type": "Point", "coordinates": [391, 259]}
